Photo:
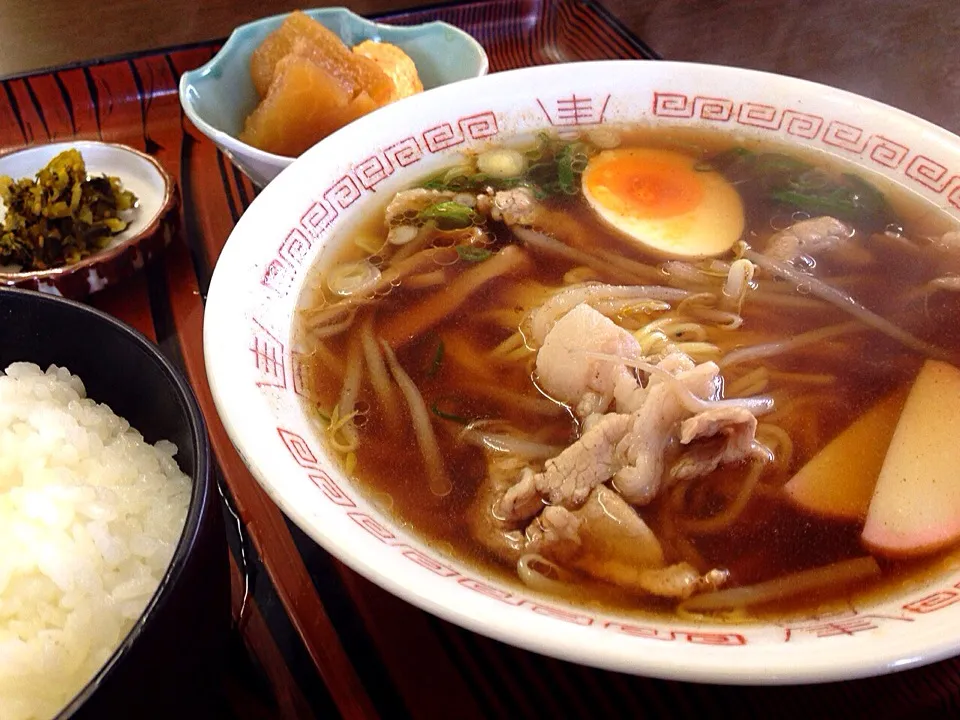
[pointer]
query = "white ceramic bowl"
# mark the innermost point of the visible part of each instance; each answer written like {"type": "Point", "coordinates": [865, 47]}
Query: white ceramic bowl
{"type": "Point", "coordinates": [255, 382]}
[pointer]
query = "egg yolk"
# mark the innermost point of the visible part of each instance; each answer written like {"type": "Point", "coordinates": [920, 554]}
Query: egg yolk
{"type": "Point", "coordinates": [648, 187]}
{"type": "Point", "coordinates": [659, 199]}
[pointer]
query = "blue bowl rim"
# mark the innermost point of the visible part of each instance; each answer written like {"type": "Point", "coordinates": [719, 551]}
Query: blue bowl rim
{"type": "Point", "coordinates": [188, 78]}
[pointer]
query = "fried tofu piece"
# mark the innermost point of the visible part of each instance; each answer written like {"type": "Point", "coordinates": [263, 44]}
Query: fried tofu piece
{"type": "Point", "coordinates": [396, 64]}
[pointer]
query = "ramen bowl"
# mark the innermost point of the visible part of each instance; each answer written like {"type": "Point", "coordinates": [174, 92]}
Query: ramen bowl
{"type": "Point", "coordinates": [219, 95]}
{"type": "Point", "coordinates": [254, 364]}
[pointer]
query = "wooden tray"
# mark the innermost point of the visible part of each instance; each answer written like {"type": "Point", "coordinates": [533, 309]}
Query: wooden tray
{"type": "Point", "coordinates": [325, 642]}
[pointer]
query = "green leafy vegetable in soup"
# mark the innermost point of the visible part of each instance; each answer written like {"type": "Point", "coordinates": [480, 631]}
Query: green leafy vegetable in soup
{"type": "Point", "coordinates": [551, 167]}
{"type": "Point", "coordinates": [449, 215]}
{"type": "Point", "coordinates": [628, 367]}
{"type": "Point", "coordinates": [796, 185]}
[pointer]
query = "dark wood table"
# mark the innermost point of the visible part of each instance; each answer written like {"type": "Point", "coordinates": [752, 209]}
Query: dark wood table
{"type": "Point", "coordinates": [313, 639]}
{"type": "Point", "coordinates": [902, 53]}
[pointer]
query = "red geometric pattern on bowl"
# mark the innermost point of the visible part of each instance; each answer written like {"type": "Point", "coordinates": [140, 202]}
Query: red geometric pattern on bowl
{"type": "Point", "coordinates": [574, 109]}
{"type": "Point", "coordinates": [883, 151]}
{"type": "Point", "coordinates": [848, 622]}
{"type": "Point", "coordinates": [280, 272]}
{"type": "Point", "coordinates": [277, 368]}
{"type": "Point", "coordinates": [299, 449]}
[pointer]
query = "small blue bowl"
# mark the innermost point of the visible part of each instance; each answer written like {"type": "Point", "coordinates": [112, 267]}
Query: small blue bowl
{"type": "Point", "coordinates": [218, 96]}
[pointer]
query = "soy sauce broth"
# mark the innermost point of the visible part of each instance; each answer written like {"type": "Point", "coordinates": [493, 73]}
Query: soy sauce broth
{"type": "Point", "coordinates": [772, 537]}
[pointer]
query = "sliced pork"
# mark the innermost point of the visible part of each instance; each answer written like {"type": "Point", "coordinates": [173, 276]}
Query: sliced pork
{"type": "Point", "coordinates": [808, 237]}
{"type": "Point", "coordinates": [607, 540]}
{"type": "Point", "coordinates": [730, 432]}
{"type": "Point", "coordinates": [568, 372]}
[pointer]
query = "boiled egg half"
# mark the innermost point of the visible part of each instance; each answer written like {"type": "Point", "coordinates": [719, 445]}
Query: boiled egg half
{"type": "Point", "coordinates": [661, 201]}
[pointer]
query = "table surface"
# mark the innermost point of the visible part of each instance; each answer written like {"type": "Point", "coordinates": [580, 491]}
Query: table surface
{"type": "Point", "coordinates": [902, 53]}
{"type": "Point", "coordinates": [897, 52]}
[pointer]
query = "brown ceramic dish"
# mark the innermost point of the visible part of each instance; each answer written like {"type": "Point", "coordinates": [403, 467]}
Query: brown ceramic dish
{"type": "Point", "coordinates": [150, 229]}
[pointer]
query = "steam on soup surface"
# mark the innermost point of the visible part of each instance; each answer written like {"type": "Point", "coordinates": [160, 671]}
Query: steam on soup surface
{"type": "Point", "coordinates": [650, 371]}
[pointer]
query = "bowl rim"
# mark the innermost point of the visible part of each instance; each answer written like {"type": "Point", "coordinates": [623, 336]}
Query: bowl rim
{"type": "Point", "coordinates": [232, 143]}
{"type": "Point", "coordinates": [168, 202]}
{"type": "Point", "coordinates": [201, 495]}
{"type": "Point", "coordinates": [816, 666]}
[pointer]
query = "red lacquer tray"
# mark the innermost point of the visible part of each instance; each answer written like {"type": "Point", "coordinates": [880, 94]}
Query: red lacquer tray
{"type": "Point", "coordinates": [324, 641]}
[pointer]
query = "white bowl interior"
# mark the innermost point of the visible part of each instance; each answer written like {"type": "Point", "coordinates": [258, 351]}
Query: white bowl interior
{"type": "Point", "coordinates": [253, 367]}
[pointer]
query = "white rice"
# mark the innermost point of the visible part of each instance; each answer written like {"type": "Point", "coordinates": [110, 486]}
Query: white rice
{"type": "Point", "coordinates": [90, 515]}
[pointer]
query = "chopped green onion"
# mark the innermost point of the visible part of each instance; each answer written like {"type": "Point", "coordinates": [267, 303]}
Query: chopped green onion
{"type": "Point", "coordinates": [552, 167]}
{"type": "Point", "coordinates": [457, 173]}
{"type": "Point", "coordinates": [469, 253]}
{"type": "Point", "coordinates": [502, 163]}
{"type": "Point", "coordinates": [448, 416]}
{"type": "Point", "coordinates": [437, 359]}
{"type": "Point", "coordinates": [352, 278]}
{"type": "Point", "coordinates": [571, 161]}
{"type": "Point", "coordinates": [436, 183]}
{"type": "Point", "coordinates": [449, 215]}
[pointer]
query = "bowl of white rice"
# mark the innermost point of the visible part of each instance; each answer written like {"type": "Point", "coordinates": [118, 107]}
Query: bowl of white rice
{"type": "Point", "coordinates": [113, 586]}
